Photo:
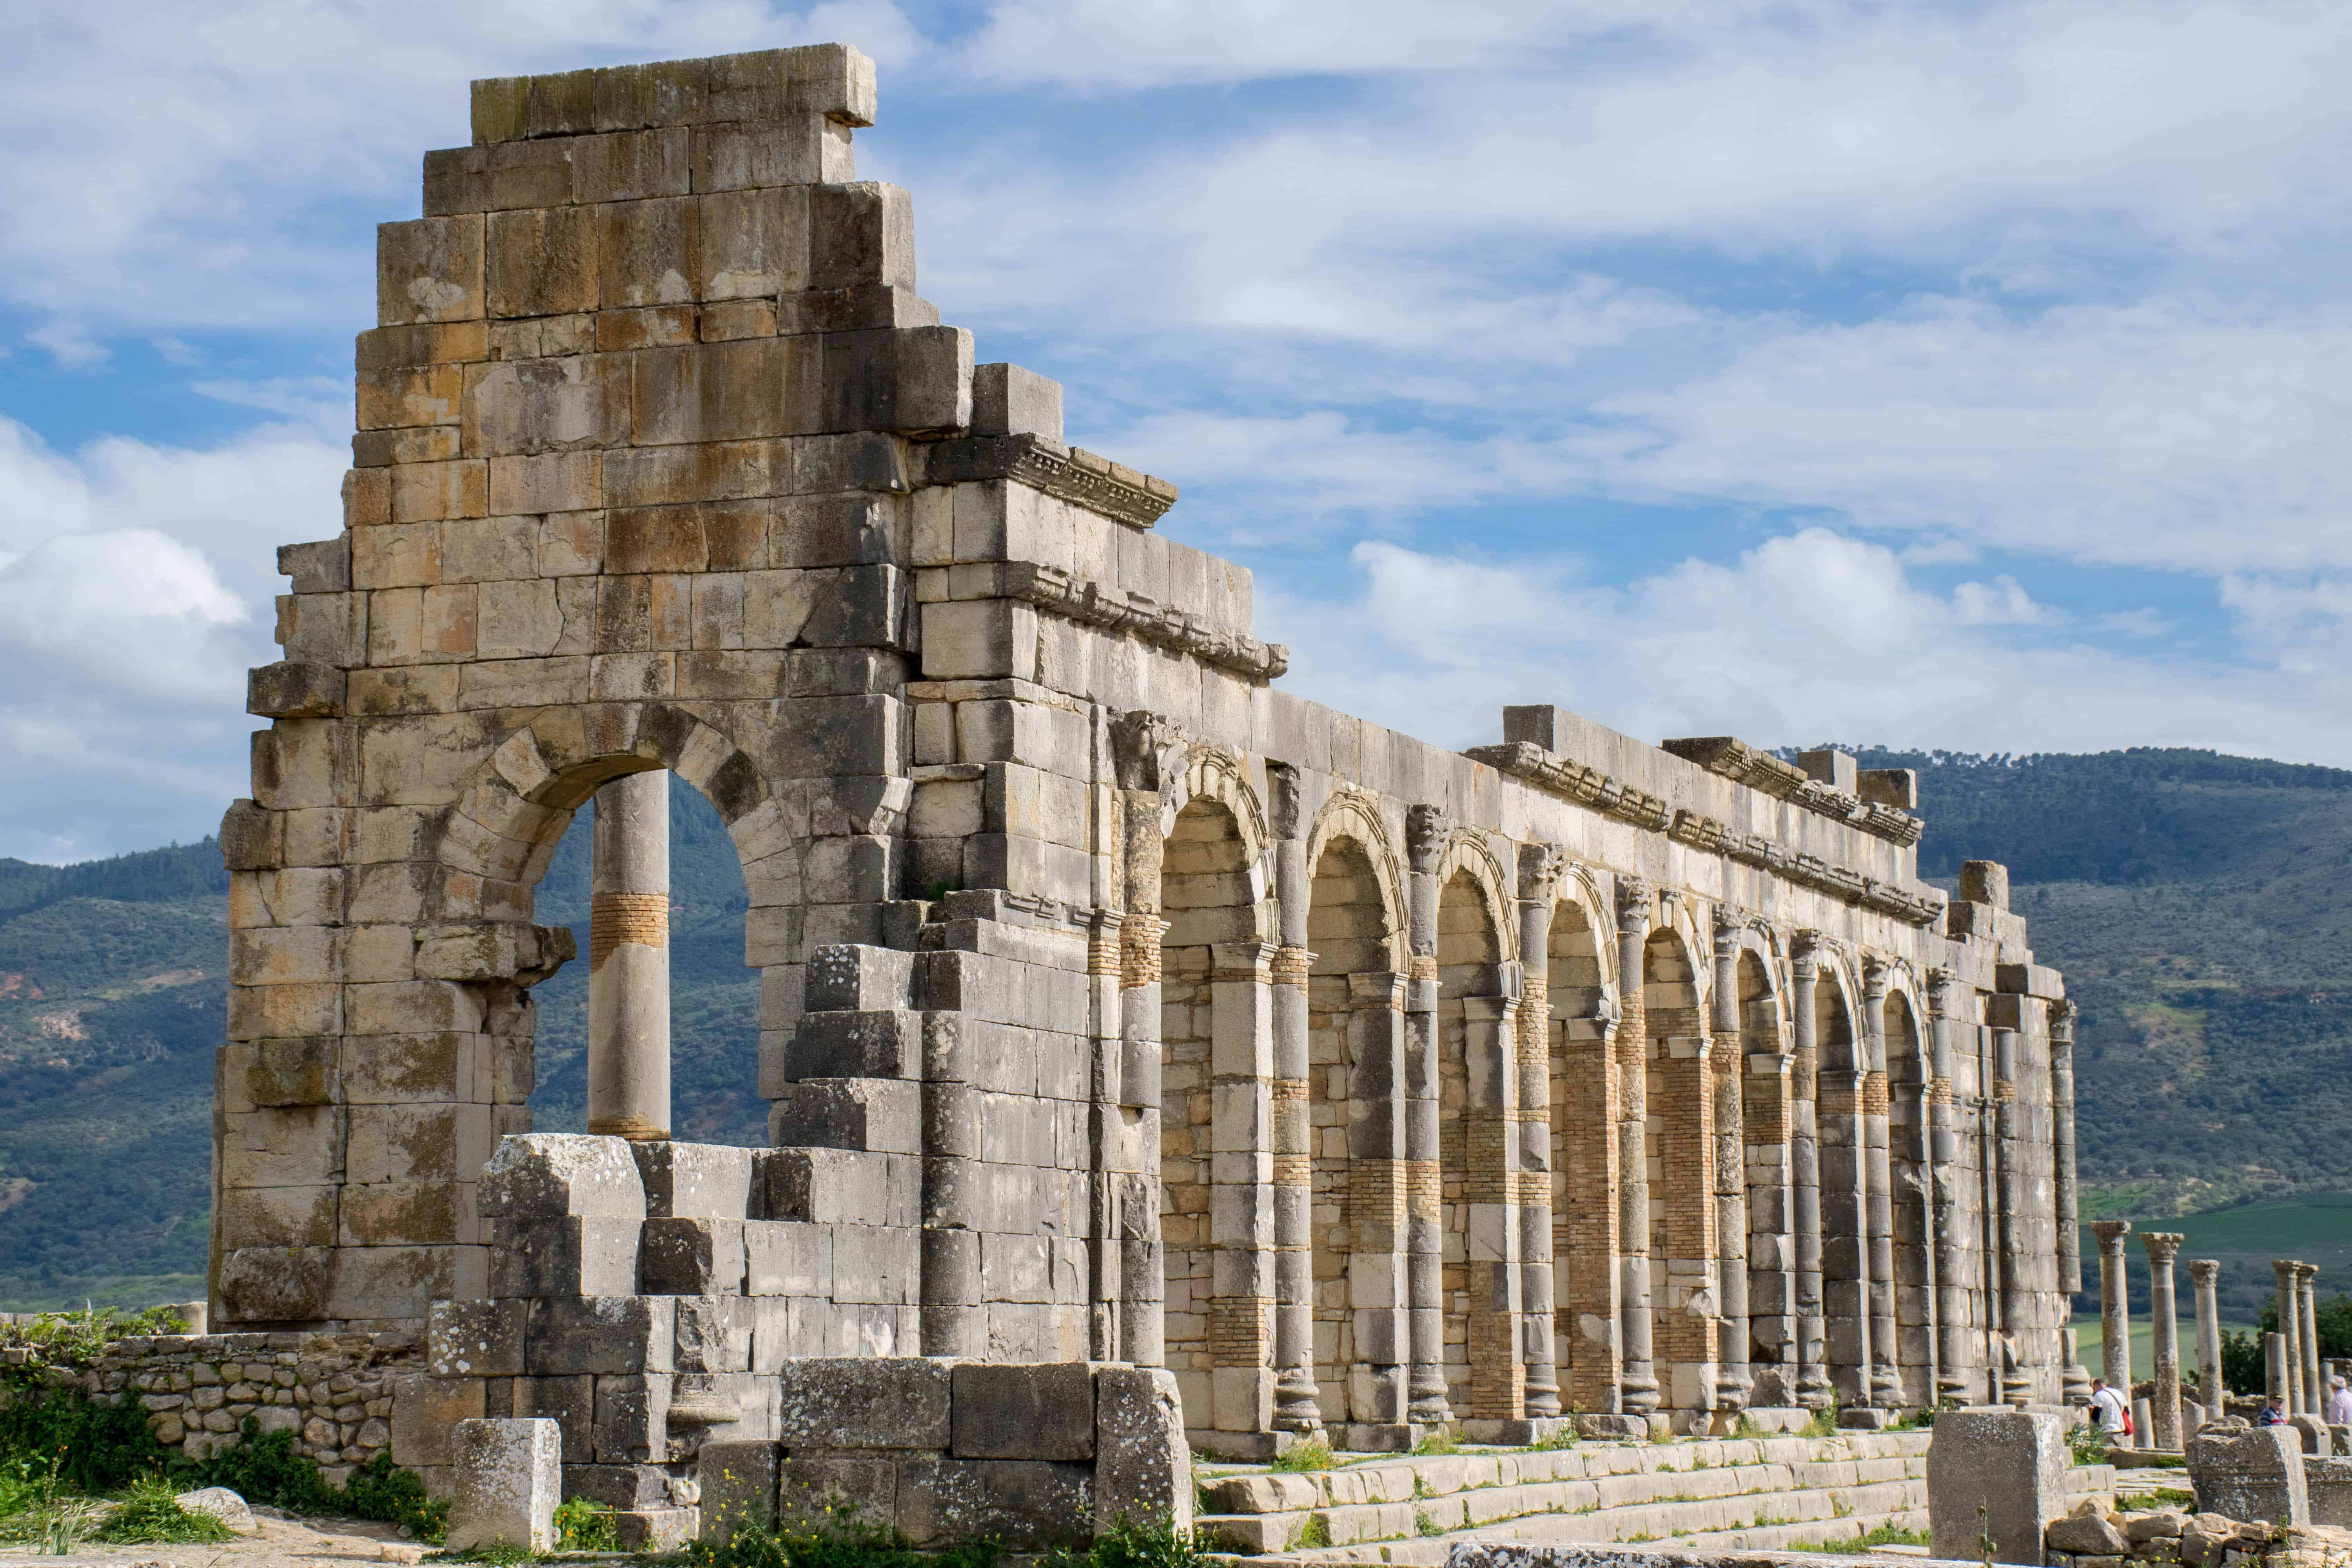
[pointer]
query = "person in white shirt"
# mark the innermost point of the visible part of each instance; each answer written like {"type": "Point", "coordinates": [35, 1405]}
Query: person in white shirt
{"type": "Point", "coordinates": [2108, 1408]}
{"type": "Point", "coordinates": [2339, 1403]}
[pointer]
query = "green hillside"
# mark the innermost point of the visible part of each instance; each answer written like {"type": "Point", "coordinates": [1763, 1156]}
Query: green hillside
{"type": "Point", "coordinates": [2196, 902]}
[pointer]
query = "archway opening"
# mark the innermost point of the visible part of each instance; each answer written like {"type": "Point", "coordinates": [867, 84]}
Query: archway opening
{"type": "Point", "coordinates": [1679, 1145]}
{"type": "Point", "coordinates": [1350, 930]}
{"type": "Point", "coordinates": [1469, 981]}
{"type": "Point", "coordinates": [1845, 1262]}
{"type": "Point", "coordinates": [1910, 1165]}
{"type": "Point", "coordinates": [1584, 1163]}
{"type": "Point", "coordinates": [714, 996]}
{"type": "Point", "coordinates": [1769, 1170]}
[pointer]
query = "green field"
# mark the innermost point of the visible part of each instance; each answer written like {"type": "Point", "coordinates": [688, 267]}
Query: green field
{"type": "Point", "coordinates": [2316, 1228]}
{"type": "Point", "coordinates": [2088, 1340]}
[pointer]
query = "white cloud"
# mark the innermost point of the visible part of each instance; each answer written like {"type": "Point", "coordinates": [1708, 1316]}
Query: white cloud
{"type": "Point", "coordinates": [135, 585]}
{"type": "Point", "coordinates": [1810, 636]}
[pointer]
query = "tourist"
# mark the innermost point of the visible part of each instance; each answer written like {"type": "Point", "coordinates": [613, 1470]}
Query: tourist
{"type": "Point", "coordinates": [2273, 1412]}
{"type": "Point", "coordinates": [2339, 1403]}
{"type": "Point", "coordinates": [2108, 1409]}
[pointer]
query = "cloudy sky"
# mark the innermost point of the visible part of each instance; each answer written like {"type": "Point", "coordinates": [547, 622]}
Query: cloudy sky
{"type": "Point", "coordinates": [1971, 375]}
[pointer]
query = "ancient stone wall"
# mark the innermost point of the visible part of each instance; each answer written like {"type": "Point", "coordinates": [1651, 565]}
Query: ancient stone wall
{"type": "Point", "coordinates": [1117, 1006]}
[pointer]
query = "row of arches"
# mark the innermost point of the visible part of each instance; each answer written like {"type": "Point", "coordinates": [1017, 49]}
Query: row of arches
{"type": "Point", "coordinates": [1542, 1067]}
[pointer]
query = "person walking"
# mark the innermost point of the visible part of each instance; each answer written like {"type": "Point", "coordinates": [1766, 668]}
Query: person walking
{"type": "Point", "coordinates": [2339, 1403]}
{"type": "Point", "coordinates": [2108, 1409]}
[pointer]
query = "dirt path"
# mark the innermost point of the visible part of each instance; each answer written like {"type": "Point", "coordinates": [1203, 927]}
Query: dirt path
{"type": "Point", "coordinates": [276, 1543]}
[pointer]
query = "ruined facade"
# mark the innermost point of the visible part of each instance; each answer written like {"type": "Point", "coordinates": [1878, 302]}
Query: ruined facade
{"type": "Point", "coordinates": [1117, 1006]}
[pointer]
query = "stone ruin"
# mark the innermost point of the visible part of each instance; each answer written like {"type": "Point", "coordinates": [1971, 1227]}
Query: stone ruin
{"type": "Point", "coordinates": [1135, 1033]}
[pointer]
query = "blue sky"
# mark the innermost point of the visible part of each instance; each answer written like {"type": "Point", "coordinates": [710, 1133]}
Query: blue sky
{"type": "Point", "coordinates": [1971, 376]}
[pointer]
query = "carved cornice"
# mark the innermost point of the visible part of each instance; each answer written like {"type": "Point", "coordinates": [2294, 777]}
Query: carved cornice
{"type": "Point", "coordinates": [1075, 475]}
{"type": "Point", "coordinates": [1736, 760]}
{"type": "Point", "coordinates": [1590, 786]}
{"type": "Point", "coordinates": [1091, 604]}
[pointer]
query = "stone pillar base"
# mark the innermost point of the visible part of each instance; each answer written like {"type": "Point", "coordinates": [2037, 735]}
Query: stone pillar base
{"type": "Point", "coordinates": [1606, 1428]}
{"type": "Point", "coordinates": [1864, 1419]}
{"type": "Point", "coordinates": [1240, 1446]}
{"type": "Point", "coordinates": [1518, 1432]}
{"type": "Point", "coordinates": [1380, 1436]}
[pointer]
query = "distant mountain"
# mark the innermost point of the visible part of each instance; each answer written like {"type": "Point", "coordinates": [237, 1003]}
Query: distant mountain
{"type": "Point", "coordinates": [2199, 905]}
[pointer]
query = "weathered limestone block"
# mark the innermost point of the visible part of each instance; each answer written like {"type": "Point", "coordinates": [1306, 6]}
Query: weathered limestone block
{"type": "Point", "coordinates": [1023, 1412]}
{"type": "Point", "coordinates": [553, 1175]}
{"type": "Point", "coordinates": [600, 1334]}
{"type": "Point", "coordinates": [290, 689]}
{"type": "Point", "coordinates": [1031, 1505]}
{"type": "Point", "coordinates": [509, 1478]}
{"type": "Point", "coordinates": [1143, 1468]}
{"type": "Point", "coordinates": [739, 1482]}
{"type": "Point", "coordinates": [2086, 1531]}
{"type": "Point", "coordinates": [2249, 1473]}
{"type": "Point", "coordinates": [695, 1180]}
{"type": "Point", "coordinates": [2328, 1483]}
{"type": "Point", "coordinates": [901, 1403]}
{"type": "Point", "coordinates": [2008, 1464]}
{"type": "Point", "coordinates": [475, 1339]}
{"type": "Point", "coordinates": [690, 1257]}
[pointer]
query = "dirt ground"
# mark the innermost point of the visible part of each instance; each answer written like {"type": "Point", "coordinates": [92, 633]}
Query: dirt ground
{"type": "Point", "coordinates": [276, 1543]}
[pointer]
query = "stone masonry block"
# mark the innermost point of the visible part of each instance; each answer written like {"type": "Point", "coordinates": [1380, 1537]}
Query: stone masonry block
{"type": "Point", "coordinates": [681, 1256]}
{"type": "Point", "coordinates": [600, 1334]}
{"type": "Point", "coordinates": [887, 1043]}
{"type": "Point", "coordinates": [1007, 400]}
{"type": "Point", "coordinates": [509, 1478]}
{"type": "Point", "coordinates": [1997, 1472]}
{"type": "Point", "coordinates": [861, 234]}
{"type": "Point", "coordinates": [785, 1258]}
{"type": "Point", "coordinates": [695, 1180]}
{"type": "Point", "coordinates": [273, 1284]}
{"type": "Point", "coordinates": [847, 978]}
{"type": "Point", "coordinates": [1042, 1412]}
{"type": "Point", "coordinates": [291, 691]}
{"type": "Point", "coordinates": [843, 1186]}
{"type": "Point", "coordinates": [1031, 1505]}
{"type": "Point", "coordinates": [1143, 1467]}
{"type": "Point", "coordinates": [536, 1257]}
{"type": "Point", "coordinates": [474, 1339]}
{"type": "Point", "coordinates": [425, 1412]}
{"type": "Point", "coordinates": [324, 566]}
{"type": "Point", "coordinates": [714, 1333]}
{"type": "Point", "coordinates": [2248, 1473]}
{"type": "Point", "coordinates": [632, 1421]}
{"type": "Point", "coordinates": [883, 1115]}
{"type": "Point", "coordinates": [895, 1403]}
{"type": "Point", "coordinates": [552, 1175]}
{"type": "Point", "coordinates": [429, 270]}
{"type": "Point", "coordinates": [739, 1487]}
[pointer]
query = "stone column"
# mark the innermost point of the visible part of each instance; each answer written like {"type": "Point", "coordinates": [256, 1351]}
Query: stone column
{"type": "Point", "coordinates": [1886, 1376]}
{"type": "Point", "coordinates": [1143, 1269]}
{"type": "Point", "coordinates": [1378, 1179]}
{"type": "Point", "coordinates": [2017, 1387]}
{"type": "Point", "coordinates": [2279, 1383]}
{"type": "Point", "coordinates": [1296, 1400]}
{"type": "Point", "coordinates": [1539, 869]}
{"type": "Point", "coordinates": [1241, 1189]}
{"type": "Point", "coordinates": [1946, 995]}
{"type": "Point", "coordinates": [2115, 1305]}
{"type": "Point", "coordinates": [1638, 1379]}
{"type": "Point", "coordinates": [2315, 1387]}
{"type": "Point", "coordinates": [2164, 1397]}
{"type": "Point", "coordinates": [628, 959]}
{"type": "Point", "coordinates": [1426, 829]}
{"type": "Point", "coordinates": [2290, 1317]}
{"type": "Point", "coordinates": [1733, 1380]}
{"type": "Point", "coordinates": [1814, 1391]}
{"type": "Point", "coordinates": [2204, 1273]}
{"type": "Point", "coordinates": [2075, 1381]}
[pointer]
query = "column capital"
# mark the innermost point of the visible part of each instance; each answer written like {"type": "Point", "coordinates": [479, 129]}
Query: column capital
{"type": "Point", "coordinates": [2306, 1272]}
{"type": "Point", "coordinates": [1875, 973]}
{"type": "Point", "coordinates": [2204, 1271]}
{"type": "Point", "coordinates": [1426, 828]}
{"type": "Point", "coordinates": [2284, 1268]}
{"type": "Point", "coordinates": [1539, 869]}
{"type": "Point", "coordinates": [1242, 960]}
{"type": "Point", "coordinates": [2062, 1022]}
{"type": "Point", "coordinates": [2163, 1246]}
{"type": "Point", "coordinates": [1805, 953]}
{"type": "Point", "coordinates": [2111, 1233]}
{"type": "Point", "coordinates": [1140, 739]}
{"type": "Point", "coordinates": [1282, 799]}
{"type": "Point", "coordinates": [1730, 920]}
{"type": "Point", "coordinates": [1634, 898]}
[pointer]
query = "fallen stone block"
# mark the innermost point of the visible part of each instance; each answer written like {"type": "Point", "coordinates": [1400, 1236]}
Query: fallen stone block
{"type": "Point", "coordinates": [509, 1478]}
{"type": "Point", "coordinates": [2247, 1473]}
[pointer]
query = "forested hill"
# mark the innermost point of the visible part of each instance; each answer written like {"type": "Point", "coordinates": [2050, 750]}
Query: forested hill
{"type": "Point", "coordinates": [2200, 908]}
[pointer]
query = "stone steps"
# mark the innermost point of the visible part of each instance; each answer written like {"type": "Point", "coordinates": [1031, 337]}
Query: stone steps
{"type": "Point", "coordinates": [1592, 1492]}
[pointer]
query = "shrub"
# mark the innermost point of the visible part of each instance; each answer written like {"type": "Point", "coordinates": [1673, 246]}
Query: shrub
{"type": "Point", "coordinates": [151, 1514]}
{"type": "Point", "coordinates": [845, 1541]}
{"type": "Point", "coordinates": [584, 1524]}
{"type": "Point", "coordinates": [265, 1468]}
{"type": "Point", "coordinates": [1313, 1454]}
{"type": "Point", "coordinates": [99, 1447]}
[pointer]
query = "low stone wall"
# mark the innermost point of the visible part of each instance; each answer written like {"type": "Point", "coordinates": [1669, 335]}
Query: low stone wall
{"type": "Point", "coordinates": [1506, 1554]}
{"type": "Point", "coordinates": [334, 1392]}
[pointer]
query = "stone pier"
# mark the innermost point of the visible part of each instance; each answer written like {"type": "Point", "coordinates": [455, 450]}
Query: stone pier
{"type": "Point", "coordinates": [2204, 1274]}
{"type": "Point", "coordinates": [2115, 1305]}
{"type": "Point", "coordinates": [2163, 1246]}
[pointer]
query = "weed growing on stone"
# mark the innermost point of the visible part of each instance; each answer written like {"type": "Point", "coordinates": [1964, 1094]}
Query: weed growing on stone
{"type": "Point", "coordinates": [1441, 1440]}
{"type": "Point", "coordinates": [2162, 1497]}
{"type": "Point", "coordinates": [846, 1541]}
{"type": "Point", "coordinates": [584, 1524]}
{"type": "Point", "coordinates": [1869, 1540]}
{"type": "Point", "coordinates": [1747, 1428]}
{"type": "Point", "coordinates": [151, 1514]}
{"type": "Point", "coordinates": [1563, 1439]}
{"type": "Point", "coordinates": [1314, 1454]}
{"type": "Point", "coordinates": [1426, 1522]}
{"type": "Point", "coordinates": [1823, 1423]}
{"type": "Point", "coordinates": [1421, 1487]}
{"type": "Point", "coordinates": [1313, 1533]}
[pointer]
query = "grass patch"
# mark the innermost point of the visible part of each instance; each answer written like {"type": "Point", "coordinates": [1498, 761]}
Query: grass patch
{"type": "Point", "coordinates": [1440, 1440]}
{"type": "Point", "coordinates": [1314, 1532]}
{"type": "Point", "coordinates": [152, 1515]}
{"type": "Point", "coordinates": [1747, 1428]}
{"type": "Point", "coordinates": [1313, 1454]}
{"type": "Point", "coordinates": [2162, 1497]}
{"type": "Point", "coordinates": [1425, 1522]}
{"type": "Point", "coordinates": [1882, 1535]}
{"type": "Point", "coordinates": [1823, 1425]}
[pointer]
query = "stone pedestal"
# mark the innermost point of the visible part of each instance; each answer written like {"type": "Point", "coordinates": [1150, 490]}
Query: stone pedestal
{"type": "Point", "coordinates": [509, 1478]}
{"type": "Point", "coordinates": [1996, 1477]}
